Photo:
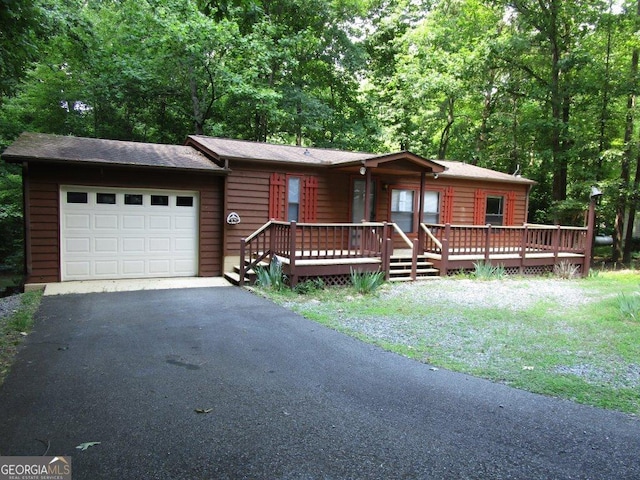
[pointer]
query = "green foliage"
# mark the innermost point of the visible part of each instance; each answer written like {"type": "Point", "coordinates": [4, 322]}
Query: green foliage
{"type": "Point", "coordinates": [629, 306]}
{"type": "Point", "coordinates": [271, 277]}
{"type": "Point", "coordinates": [486, 271]}
{"type": "Point", "coordinates": [11, 225]}
{"type": "Point", "coordinates": [366, 282]}
{"type": "Point", "coordinates": [566, 270]}
{"type": "Point", "coordinates": [309, 287]}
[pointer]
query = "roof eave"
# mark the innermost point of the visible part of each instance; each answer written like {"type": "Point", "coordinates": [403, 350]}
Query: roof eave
{"type": "Point", "coordinates": [29, 159]}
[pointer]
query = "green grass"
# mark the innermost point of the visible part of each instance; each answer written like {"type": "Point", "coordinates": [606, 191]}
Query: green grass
{"type": "Point", "coordinates": [582, 351]}
{"type": "Point", "coordinates": [14, 328]}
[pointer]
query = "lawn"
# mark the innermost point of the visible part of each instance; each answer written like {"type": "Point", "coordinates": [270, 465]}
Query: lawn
{"type": "Point", "coordinates": [563, 338]}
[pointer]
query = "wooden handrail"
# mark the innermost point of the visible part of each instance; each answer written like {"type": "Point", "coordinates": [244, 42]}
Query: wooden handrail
{"type": "Point", "coordinates": [259, 231]}
{"type": "Point", "coordinates": [402, 235]}
{"type": "Point", "coordinates": [431, 235]}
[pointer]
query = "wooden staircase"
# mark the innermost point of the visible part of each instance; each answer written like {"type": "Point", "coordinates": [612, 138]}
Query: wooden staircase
{"type": "Point", "coordinates": [400, 268]}
{"type": "Point", "coordinates": [249, 275]}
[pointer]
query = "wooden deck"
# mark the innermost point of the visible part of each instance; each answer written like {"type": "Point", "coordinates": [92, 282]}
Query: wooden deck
{"type": "Point", "coordinates": [530, 249]}
{"type": "Point", "coordinates": [332, 251]}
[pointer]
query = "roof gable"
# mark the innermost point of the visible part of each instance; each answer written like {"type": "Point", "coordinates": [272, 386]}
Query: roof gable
{"type": "Point", "coordinates": [81, 150]}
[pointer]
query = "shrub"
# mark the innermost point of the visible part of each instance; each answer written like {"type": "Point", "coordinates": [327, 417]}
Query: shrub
{"type": "Point", "coordinates": [629, 306]}
{"type": "Point", "coordinates": [565, 270]}
{"type": "Point", "coordinates": [366, 282]}
{"type": "Point", "coordinates": [486, 271]}
{"type": "Point", "coordinates": [309, 286]}
{"type": "Point", "coordinates": [271, 277]}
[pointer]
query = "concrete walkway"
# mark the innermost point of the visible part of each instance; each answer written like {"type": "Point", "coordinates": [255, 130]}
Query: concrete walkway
{"type": "Point", "coordinates": [106, 286]}
{"type": "Point", "coordinates": [279, 397]}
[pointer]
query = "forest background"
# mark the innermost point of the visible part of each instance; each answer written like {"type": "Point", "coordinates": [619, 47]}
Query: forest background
{"type": "Point", "coordinates": [543, 88]}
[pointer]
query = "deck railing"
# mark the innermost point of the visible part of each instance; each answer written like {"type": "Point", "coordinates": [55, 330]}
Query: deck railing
{"type": "Point", "coordinates": [485, 242]}
{"type": "Point", "coordinates": [297, 242]}
{"type": "Point", "coordinates": [305, 243]}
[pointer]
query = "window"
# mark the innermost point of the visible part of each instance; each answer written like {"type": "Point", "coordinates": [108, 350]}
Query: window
{"type": "Point", "coordinates": [402, 202]}
{"type": "Point", "coordinates": [293, 199]}
{"type": "Point", "coordinates": [494, 213]}
{"type": "Point", "coordinates": [132, 199]}
{"type": "Point", "coordinates": [77, 197]}
{"type": "Point", "coordinates": [161, 200]}
{"type": "Point", "coordinates": [106, 198]}
{"type": "Point", "coordinates": [184, 202]}
{"type": "Point", "coordinates": [431, 207]}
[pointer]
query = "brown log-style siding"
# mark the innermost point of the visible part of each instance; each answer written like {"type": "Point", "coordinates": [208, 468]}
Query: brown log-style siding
{"type": "Point", "coordinates": [43, 183]}
{"type": "Point", "coordinates": [248, 195]}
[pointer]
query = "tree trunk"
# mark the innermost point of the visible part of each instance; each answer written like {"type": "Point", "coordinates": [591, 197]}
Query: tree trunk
{"type": "Point", "coordinates": [633, 208]}
{"type": "Point", "coordinates": [621, 203]}
{"type": "Point", "coordinates": [446, 133]}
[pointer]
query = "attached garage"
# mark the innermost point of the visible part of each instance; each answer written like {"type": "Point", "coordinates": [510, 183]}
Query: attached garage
{"type": "Point", "coordinates": [106, 209]}
{"type": "Point", "coordinates": [109, 233]}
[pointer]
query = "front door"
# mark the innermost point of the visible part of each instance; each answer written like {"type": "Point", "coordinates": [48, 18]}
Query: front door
{"type": "Point", "coordinates": [357, 201]}
{"type": "Point", "coordinates": [357, 207]}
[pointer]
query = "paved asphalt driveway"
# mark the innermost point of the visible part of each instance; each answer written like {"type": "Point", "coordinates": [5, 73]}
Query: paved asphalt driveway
{"type": "Point", "coordinates": [289, 399]}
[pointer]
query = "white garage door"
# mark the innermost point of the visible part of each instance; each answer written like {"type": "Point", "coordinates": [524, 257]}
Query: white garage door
{"type": "Point", "coordinates": [109, 233]}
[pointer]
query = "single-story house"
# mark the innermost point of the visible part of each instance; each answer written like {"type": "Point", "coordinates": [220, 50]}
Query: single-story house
{"type": "Point", "coordinates": [106, 209]}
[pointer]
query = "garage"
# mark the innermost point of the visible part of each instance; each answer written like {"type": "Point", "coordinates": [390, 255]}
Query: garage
{"type": "Point", "coordinates": [109, 233]}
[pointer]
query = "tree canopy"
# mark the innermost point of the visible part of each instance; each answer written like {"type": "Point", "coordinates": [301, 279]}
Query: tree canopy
{"type": "Point", "coordinates": [547, 88]}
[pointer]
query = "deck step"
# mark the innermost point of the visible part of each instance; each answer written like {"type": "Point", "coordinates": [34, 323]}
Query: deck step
{"type": "Point", "coordinates": [234, 278]}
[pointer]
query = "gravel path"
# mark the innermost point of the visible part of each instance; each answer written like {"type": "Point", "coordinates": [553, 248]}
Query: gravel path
{"type": "Point", "coordinates": [512, 294]}
{"type": "Point", "coordinates": [8, 305]}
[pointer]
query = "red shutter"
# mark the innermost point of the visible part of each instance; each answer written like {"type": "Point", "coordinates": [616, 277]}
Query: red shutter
{"type": "Point", "coordinates": [509, 216]}
{"type": "Point", "coordinates": [310, 199]}
{"type": "Point", "coordinates": [447, 205]}
{"type": "Point", "coordinates": [277, 191]}
{"type": "Point", "coordinates": [480, 208]}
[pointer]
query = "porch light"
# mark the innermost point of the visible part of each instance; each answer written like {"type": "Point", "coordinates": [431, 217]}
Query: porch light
{"type": "Point", "coordinates": [363, 170]}
{"type": "Point", "coordinates": [596, 193]}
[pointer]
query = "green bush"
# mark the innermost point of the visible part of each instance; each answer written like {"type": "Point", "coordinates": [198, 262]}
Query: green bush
{"type": "Point", "coordinates": [366, 282]}
{"type": "Point", "coordinates": [272, 276]}
{"type": "Point", "coordinates": [309, 286]}
{"type": "Point", "coordinates": [486, 271]}
{"type": "Point", "coordinates": [629, 306]}
{"type": "Point", "coordinates": [566, 270]}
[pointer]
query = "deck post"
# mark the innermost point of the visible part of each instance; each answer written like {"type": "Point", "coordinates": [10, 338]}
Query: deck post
{"type": "Point", "coordinates": [591, 227]}
{"type": "Point", "coordinates": [444, 251]}
{"type": "Point", "coordinates": [444, 257]}
{"type": "Point", "coordinates": [414, 260]}
{"type": "Point", "coordinates": [293, 278]}
{"type": "Point", "coordinates": [523, 247]}
{"type": "Point", "coordinates": [386, 242]}
{"type": "Point", "coordinates": [242, 266]}
{"type": "Point", "coordinates": [388, 248]}
{"type": "Point", "coordinates": [556, 244]}
{"type": "Point", "coordinates": [487, 244]}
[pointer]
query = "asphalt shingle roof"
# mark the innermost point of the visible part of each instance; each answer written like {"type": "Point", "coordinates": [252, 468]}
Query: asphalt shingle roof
{"type": "Point", "coordinates": [45, 147]}
{"type": "Point", "coordinates": [240, 149]}
{"type": "Point", "coordinates": [471, 172]}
